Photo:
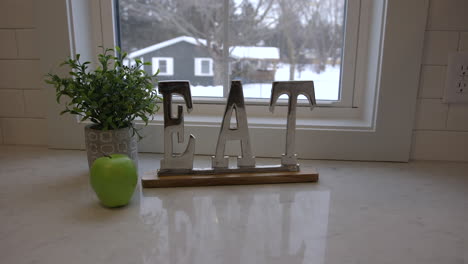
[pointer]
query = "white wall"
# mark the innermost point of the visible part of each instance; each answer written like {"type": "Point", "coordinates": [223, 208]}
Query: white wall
{"type": "Point", "coordinates": [441, 130]}
{"type": "Point", "coordinates": [22, 101]}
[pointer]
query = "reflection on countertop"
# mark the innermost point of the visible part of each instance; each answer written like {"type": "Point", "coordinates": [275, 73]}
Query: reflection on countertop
{"type": "Point", "coordinates": [238, 224]}
{"type": "Point", "coordinates": [359, 212]}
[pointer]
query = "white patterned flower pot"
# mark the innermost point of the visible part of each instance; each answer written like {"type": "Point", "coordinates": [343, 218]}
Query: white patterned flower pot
{"type": "Point", "coordinates": [119, 141]}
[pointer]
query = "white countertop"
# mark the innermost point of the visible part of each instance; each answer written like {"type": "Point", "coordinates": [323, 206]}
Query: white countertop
{"type": "Point", "coordinates": [358, 213]}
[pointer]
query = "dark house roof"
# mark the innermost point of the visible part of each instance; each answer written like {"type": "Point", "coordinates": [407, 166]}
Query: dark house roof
{"type": "Point", "coordinates": [238, 52]}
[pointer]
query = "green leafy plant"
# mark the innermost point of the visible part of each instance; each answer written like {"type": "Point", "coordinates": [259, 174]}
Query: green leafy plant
{"type": "Point", "coordinates": [112, 96]}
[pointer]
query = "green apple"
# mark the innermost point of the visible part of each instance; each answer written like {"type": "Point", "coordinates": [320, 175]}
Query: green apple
{"type": "Point", "coordinates": [114, 178]}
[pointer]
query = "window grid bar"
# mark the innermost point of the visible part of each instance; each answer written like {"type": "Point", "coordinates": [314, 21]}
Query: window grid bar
{"type": "Point", "coordinates": [226, 48]}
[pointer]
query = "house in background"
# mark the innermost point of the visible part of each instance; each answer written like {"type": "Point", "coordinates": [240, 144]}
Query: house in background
{"type": "Point", "coordinates": [180, 58]}
{"type": "Point", "coordinates": [187, 58]}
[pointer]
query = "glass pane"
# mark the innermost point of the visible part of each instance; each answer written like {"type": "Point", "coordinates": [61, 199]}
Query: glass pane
{"type": "Point", "coordinates": [281, 40]}
{"type": "Point", "coordinates": [179, 29]}
{"type": "Point", "coordinates": [162, 66]}
{"type": "Point", "coordinates": [269, 40]}
{"type": "Point", "coordinates": [205, 67]}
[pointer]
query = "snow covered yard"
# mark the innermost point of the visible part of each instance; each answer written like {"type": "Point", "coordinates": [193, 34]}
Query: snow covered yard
{"type": "Point", "coordinates": [327, 84]}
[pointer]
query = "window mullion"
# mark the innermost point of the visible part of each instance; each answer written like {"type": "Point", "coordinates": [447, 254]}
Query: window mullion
{"type": "Point", "coordinates": [226, 48]}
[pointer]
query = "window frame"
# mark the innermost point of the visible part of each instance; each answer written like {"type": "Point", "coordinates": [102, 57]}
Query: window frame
{"type": "Point", "coordinates": [169, 65]}
{"type": "Point", "coordinates": [350, 90]}
{"type": "Point", "coordinates": [379, 129]}
{"type": "Point", "coordinates": [198, 67]}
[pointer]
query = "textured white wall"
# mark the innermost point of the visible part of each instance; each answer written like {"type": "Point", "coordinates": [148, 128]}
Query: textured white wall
{"type": "Point", "coordinates": [441, 130]}
{"type": "Point", "coordinates": [22, 101]}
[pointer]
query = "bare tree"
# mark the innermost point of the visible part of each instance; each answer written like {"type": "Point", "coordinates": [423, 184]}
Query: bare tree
{"type": "Point", "coordinates": [328, 31]}
{"type": "Point", "coordinates": [289, 28]}
{"type": "Point", "coordinates": [306, 31]}
{"type": "Point", "coordinates": [310, 32]}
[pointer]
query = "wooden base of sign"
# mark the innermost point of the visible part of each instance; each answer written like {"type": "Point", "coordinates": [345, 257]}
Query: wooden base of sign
{"type": "Point", "coordinates": [305, 175]}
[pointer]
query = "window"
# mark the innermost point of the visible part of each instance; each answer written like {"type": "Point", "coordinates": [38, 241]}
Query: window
{"type": "Point", "coordinates": [165, 66]}
{"type": "Point", "coordinates": [203, 67]}
{"type": "Point", "coordinates": [376, 130]}
{"type": "Point", "coordinates": [266, 41]}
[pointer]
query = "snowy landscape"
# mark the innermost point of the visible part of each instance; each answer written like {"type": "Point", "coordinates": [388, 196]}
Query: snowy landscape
{"type": "Point", "coordinates": [327, 84]}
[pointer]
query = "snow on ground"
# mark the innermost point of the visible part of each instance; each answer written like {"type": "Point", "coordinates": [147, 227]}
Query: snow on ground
{"type": "Point", "coordinates": [207, 91]}
{"type": "Point", "coordinates": [327, 84]}
{"type": "Point", "coordinates": [246, 52]}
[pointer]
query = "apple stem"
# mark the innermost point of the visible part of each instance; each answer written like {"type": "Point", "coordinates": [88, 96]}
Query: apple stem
{"type": "Point", "coordinates": [107, 155]}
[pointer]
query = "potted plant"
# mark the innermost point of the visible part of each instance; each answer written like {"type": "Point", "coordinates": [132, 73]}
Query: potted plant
{"type": "Point", "coordinates": [112, 96]}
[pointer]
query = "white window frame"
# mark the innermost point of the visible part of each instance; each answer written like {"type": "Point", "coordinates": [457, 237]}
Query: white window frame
{"type": "Point", "coordinates": [380, 128]}
{"type": "Point", "coordinates": [169, 65]}
{"type": "Point", "coordinates": [198, 67]}
{"type": "Point", "coordinates": [349, 108]}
